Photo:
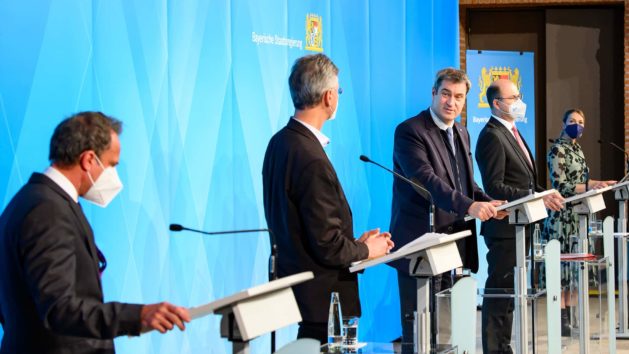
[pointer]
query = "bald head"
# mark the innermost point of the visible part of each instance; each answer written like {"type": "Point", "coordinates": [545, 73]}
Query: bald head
{"type": "Point", "coordinates": [500, 95]}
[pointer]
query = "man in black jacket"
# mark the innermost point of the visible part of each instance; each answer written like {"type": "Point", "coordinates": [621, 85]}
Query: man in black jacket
{"type": "Point", "coordinates": [434, 150]}
{"type": "Point", "coordinates": [508, 171]}
{"type": "Point", "coordinates": [305, 206]}
{"type": "Point", "coordinates": [51, 298]}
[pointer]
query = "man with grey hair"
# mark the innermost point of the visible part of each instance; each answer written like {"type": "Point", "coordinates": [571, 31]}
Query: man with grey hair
{"type": "Point", "coordinates": [51, 298]}
{"type": "Point", "coordinates": [434, 150]}
{"type": "Point", "coordinates": [305, 206]}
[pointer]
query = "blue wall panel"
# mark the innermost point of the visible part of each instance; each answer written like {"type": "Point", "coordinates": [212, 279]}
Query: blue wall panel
{"type": "Point", "coordinates": [200, 100]}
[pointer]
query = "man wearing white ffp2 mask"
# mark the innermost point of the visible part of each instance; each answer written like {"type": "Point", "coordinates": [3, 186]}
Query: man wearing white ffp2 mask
{"type": "Point", "coordinates": [48, 249]}
{"type": "Point", "coordinates": [515, 110]}
{"type": "Point", "coordinates": [105, 188]}
{"type": "Point", "coordinates": [508, 170]}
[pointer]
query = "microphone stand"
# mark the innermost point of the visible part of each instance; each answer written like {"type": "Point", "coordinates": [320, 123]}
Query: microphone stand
{"type": "Point", "coordinates": [416, 186]}
{"type": "Point", "coordinates": [622, 332]}
{"type": "Point", "coordinates": [533, 283]}
{"type": "Point", "coordinates": [615, 146]}
{"type": "Point", "coordinates": [272, 258]}
{"type": "Point", "coordinates": [431, 222]}
{"type": "Point", "coordinates": [273, 276]}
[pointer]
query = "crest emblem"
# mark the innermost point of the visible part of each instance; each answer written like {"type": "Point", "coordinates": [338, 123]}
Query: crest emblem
{"type": "Point", "coordinates": [314, 33]}
{"type": "Point", "coordinates": [494, 73]}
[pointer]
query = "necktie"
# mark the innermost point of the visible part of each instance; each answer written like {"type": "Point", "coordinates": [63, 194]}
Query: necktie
{"type": "Point", "coordinates": [102, 261]}
{"type": "Point", "coordinates": [451, 139]}
{"type": "Point", "coordinates": [522, 146]}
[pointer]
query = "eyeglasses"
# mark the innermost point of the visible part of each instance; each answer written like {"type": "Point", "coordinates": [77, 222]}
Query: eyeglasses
{"type": "Point", "coordinates": [514, 97]}
{"type": "Point", "coordinates": [339, 90]}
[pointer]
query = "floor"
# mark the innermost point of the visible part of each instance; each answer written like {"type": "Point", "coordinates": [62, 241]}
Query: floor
{"type": "Point", "coordinates": [569, 344]}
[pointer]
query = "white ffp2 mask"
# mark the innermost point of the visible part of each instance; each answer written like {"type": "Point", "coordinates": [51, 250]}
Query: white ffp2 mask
{"type": "Point", "coordinates": [105, 188]}
{"type": "Point", "coordinates": [517, 110]}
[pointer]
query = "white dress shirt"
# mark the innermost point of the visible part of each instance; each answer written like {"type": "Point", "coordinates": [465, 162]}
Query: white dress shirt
{"type": "Point", "coordinates": [507, 124]}
{"type": "Point", "coordinates": [323, 140]}
{"type": "Point", "coordinates": [63, 182]}
{"type": "Point", "coordinates": [439, 122]}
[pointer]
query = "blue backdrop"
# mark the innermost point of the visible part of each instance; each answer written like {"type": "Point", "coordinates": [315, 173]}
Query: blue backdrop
{"type": "Point", "coordinates": [201, 86]}
{"type": "Point", "coordinates": [483, 68]}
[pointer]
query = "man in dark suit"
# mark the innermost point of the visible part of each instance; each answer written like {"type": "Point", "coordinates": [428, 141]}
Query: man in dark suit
{"type": "Point", "coordinates": [305, 205]}
{"type": "Point", "coordinates": [508, 171]}
{"type": "Point", "coordinates": [51, 298]}
{"type": "Point", "coordinates": [434, 150]}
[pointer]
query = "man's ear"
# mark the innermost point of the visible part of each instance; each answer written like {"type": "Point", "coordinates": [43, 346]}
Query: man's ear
{"type": "Point", "coordinates": [85, 159]}
{"type": "Point", "coordinates": [327, 98]}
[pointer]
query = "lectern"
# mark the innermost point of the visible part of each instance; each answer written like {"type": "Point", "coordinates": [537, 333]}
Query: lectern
{"type": "Point", "coordinates": [430, 254]}
{"type": "Point", "coordinates": [523, 212]}
{"type": "Point", "coordinates": [585, 205]}
{"type": "Point", "coordinates": [621, 194]}
{"type": "Point", "coordinates": [255, 311]}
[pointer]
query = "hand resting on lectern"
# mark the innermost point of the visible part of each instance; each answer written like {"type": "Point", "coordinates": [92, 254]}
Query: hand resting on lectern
{"type": "Point", "coordinates": [163, 317]}
{"type": "Point", "coordinates": [378, 243]}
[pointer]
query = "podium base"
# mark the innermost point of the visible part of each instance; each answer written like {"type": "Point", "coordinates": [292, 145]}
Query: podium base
{"type": "Point", "coordinates": [623, 336]}
{"type": "Point", "coordinates": [240, 347]}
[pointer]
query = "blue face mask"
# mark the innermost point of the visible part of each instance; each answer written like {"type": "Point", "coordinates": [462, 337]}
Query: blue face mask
{"type": "Point", "coordinates": [574, 131]}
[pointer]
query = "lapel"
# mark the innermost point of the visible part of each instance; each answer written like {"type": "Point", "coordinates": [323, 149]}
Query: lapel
{"type": "Point", "coordinates": [86, 230]}
{"type": "Point", "coordinates": [514, 144]}
{"type": "Point", "coordinates": [466, 150]}
{"type": "Point", "coordinates": [434, 134]}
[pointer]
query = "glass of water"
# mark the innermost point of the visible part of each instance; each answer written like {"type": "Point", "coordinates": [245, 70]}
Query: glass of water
{"type": "Point", "coordinates": [350, 330]}
{"type": "Point", "coordinates": [596, 226]}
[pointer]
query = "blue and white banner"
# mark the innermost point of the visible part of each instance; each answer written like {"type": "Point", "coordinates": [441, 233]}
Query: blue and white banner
{"type": "Point", "coordinates": [483, 68]}
{"type": "Point", "coordinates": [201, 86]}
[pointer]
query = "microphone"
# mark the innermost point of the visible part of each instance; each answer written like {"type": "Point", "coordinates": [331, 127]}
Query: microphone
{"type": "Point", "coordinates": [416, 186]}
{"type": "Point", "coordinates": [272, 259]}
{"type": "Point", "coordinates": [612, 144]}
{"type": "Point", "coordinates": [177, 228]}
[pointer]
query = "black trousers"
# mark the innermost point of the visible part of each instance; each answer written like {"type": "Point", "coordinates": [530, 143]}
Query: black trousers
{"type": "Point", "coordinates": [318, 331]}
{"type": "Point", "coordinates": [497, 315]}
{"type": "Point", "coordinates": [407, 286]}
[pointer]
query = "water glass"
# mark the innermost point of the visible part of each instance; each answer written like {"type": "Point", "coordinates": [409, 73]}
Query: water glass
{"type": "Point", "coordinates": [596, 226]}
{"type": "Point", "coordinates": [350, 330]}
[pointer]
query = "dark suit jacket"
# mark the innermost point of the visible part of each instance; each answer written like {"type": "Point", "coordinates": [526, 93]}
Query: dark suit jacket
{"type": "Point", "coordinates": [306, 208]}
{"type": "Point", "coordinates": [50, 291]}
{"type": "Point", "coordinates": [420, 154]}
{"type": "Point", "coordinates": [505, 171]}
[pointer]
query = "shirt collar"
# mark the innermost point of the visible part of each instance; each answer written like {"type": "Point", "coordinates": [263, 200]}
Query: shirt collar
{"type": "Point", "coordinates": [507, 125]}
{"type": "Point", "coordinates": [440, 124]}
{"type": "Point", "coordinates": [63, 182]}
{"type": "Point", "coordinates": [323, 140]}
